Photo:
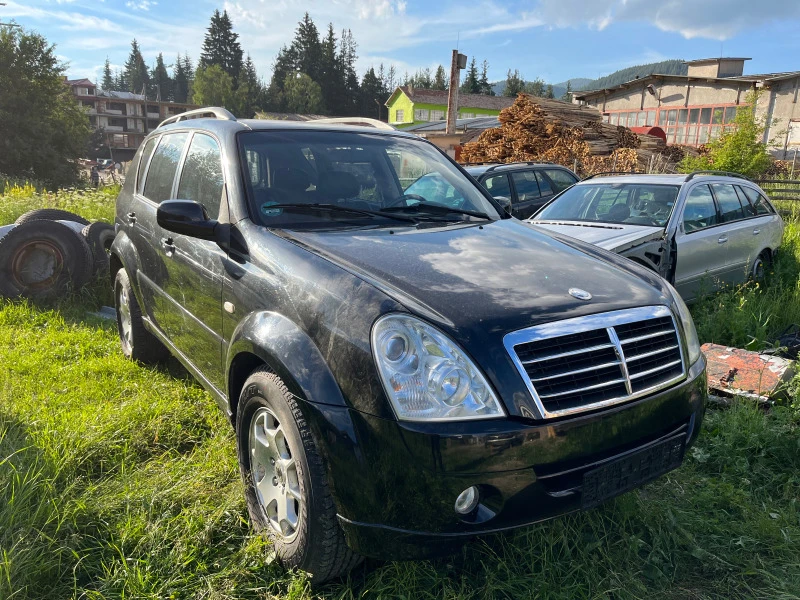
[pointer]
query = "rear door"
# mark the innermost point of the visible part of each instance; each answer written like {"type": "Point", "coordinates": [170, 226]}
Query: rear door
{"type": "Point", "coordinates": [499, 186]}
{"type": "Point", "coordinates": [700, 245]}
{"type": "Point", "coordinates": [528, 198]}
{"type": "Point", "coordinates": [737, 228]}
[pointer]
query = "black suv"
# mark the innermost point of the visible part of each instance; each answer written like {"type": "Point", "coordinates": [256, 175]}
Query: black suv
{"type": "Point", "coordinates": [528, 185]}
{"type": "Point", "coordinates": [402, 371]}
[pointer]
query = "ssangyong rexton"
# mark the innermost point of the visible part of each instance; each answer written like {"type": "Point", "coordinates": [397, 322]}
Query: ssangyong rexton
{"type": "Point", "coordinates": [403, 372]}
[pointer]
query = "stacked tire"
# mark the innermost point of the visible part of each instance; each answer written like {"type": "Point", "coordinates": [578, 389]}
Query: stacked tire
{"type": "Point", "coordinates": [49, 252]}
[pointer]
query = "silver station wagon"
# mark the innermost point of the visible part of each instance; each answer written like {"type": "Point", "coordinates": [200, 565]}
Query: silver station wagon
{"type": "Point", "coordinates": [700, 231]}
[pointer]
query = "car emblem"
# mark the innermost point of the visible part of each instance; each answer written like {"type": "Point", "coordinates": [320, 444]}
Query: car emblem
{"type": "Point", "coordinates": [580, 294]}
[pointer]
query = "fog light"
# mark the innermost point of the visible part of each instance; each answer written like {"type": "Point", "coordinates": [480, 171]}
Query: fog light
{"type": "Point", "coordinates": [467, 500]}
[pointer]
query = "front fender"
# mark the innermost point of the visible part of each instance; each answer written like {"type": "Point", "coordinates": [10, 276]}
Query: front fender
{"type": "Point", "coordinates": [124, 255]}
{"type": "Point", "coordinates": [289, 352]}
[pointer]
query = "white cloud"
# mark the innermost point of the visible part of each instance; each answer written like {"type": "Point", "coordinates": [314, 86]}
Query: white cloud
{"type": "Point", "coordinates": [140, 4]}
{"type": "Point", "coordinates": [711, 19]}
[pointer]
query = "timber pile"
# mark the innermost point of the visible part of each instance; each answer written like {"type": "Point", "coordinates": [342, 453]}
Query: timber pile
{"type": "Point", "coordinates": [538, 129]}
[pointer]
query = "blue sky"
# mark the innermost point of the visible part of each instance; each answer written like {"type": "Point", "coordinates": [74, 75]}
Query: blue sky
{"type": "Point", "coordinates": [552, 39]}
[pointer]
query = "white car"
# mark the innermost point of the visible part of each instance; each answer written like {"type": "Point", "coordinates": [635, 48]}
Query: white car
{"type": "Point", "coordinates": [699, 231]}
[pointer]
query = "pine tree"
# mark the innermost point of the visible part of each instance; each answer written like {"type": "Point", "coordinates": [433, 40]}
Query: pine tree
{"type": "Point", "coordinates": [567, 97]}
{"type": "Point", "coordinates": [347, 61]}
{"type": "Point", "coordinates": [514, 84]}
{"type": "Point", "coordinates": [160, 82]}
{"type": "Point", "coordinates": [249, 94]}
{"type": "Point", "coordinates": [440, 79]}
{"type": "Point", "coordinates": [221, 46]}
{"type": "Point", "coordinates": [307, 48]}
{"type": "Point", "coordinates": [549, 92]}
{"type": "Point", "coordinates": [422, 79]}
{"type": "Point", "coordinates": [330, 80]}
{"type": "Point", "coordinates": [108, 78]}
{"type": "Point", "coordinates": [180, 79]}
{"type": "Point", "coordinates": [371, 94]}
{"type": "Point", "coordinates": [483, 82]}
{"type": "Point", "coordinates": [120, 81]}
{"type": "Point", "coordinates": [136, 73]}
{"type": "Point", "coordinates": [471, 84]}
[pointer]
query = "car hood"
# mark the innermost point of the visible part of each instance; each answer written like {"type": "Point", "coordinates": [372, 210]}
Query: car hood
{"type": "Point", "coordinates": [495, 277]}
{"type": "Point", "coordinates": [610, 236]}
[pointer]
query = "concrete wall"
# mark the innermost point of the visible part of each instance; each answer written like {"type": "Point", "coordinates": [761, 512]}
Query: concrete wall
{"type": "Point", "coordinates": [673, 94]}
{"type": "Point", "coordinates": [779, 104]}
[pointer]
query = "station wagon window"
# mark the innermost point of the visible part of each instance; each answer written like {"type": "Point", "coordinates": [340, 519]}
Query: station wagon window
{"type": "Point", "coordinates": [544, 184]}
{"type": "Point", "coordinates": [560, 178]}
{"type": "Point", "coordinates": [762, 207]}
{"type": "Point", "coordinates": [146, 152]}
{"type": "Point", "coordinates": [729, 206]}
{"type": "Point", "coordinates": [163, 166]}
{"type": "Point", "coordinates": [498, 185]}
{"type": "Point", "coordinates": [700, 211]}
{"type": "Point", "coordinates": [525, 183]}
{"type": "Point", "coordinates": [201, 178]}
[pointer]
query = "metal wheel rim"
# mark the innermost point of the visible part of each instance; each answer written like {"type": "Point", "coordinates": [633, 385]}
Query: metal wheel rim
{"type": "Point", "coordinates": [273, 471]}
{"type": "Point", "coordinates": [125, 322]}
{"type": "Point", "coordinates": [758, 269]}
{"type": "Point", "coordinates": [41, 259]}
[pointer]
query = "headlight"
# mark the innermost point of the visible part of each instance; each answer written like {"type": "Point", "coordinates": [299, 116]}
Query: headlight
{"type": "Point", "coordinates": [426, 376]}
{"type": "Point", "coordinates": [689, 332]}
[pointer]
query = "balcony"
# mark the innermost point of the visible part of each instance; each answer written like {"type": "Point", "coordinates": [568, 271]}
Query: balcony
{"type": "Point", "coordinates": [113, 111]}
{"type": "Point", "coordinates": [153, 115]}
{"type": "Point", "coordinates": [114, 128]}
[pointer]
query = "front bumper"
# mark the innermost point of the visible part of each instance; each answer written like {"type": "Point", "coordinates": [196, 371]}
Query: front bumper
{"type": "Point", "coordinates": [395, 484]}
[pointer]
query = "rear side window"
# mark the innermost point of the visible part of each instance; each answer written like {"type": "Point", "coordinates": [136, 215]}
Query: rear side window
{"type": "Point", "coordinates": [544, 185]}
{"type": "Point", "coordinates": [527, 188]}
{"type": "Point", "coordinates": [498, 185]}
{"type": "Point", "coordinates": [760, 204]}
{"type": "Point", "coordinates": [146, 152]}
{"type": "Point", "coordinates": [700, 211]}
{"type": "Point", "coordinates": [729, 206]}
{"type": "Point", "coordinates": [163, 166]}
{"type": "Point", "coordinates": [201, 177]}
{"type": "Point", "coordinates": [560, 178]}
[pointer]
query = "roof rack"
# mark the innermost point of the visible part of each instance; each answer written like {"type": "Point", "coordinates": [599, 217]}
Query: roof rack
{"type": "Point", "coordinates": [604, 173]}
{"type": "Point", "coordinates": [520, 162]}
{"type": "Point", "coordinates": [357, 121]}
{"type": "Point", "coordinates": [694, 174]}
{"type": "Point", "coordinates": [198, 113]}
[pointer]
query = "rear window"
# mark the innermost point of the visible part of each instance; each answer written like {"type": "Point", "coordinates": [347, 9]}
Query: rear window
{"type": "Point", "coordinates": [759, 202]}
{"type": "Point", "coordinates": [561, 179]}
{"type": "Point", "coordinates": [147, 151]}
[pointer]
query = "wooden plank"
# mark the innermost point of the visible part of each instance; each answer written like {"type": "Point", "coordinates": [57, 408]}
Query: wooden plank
{"type": "Point", "coordinates": [786, 181]}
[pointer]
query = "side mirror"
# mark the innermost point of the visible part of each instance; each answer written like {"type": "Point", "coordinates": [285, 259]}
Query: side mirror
{"type": "Point", "coordinates": [504, 202]}
{"type": "Point", "coordinates": [186, 217]}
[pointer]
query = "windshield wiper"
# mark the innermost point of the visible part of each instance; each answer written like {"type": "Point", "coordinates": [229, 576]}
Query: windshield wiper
{"type": "Point", "coordinates": [436, 209]}
{"type": "Point", "coordinates": [337, 208]}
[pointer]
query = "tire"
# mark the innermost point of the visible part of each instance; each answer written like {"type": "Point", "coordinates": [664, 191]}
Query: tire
{"type": "Point", "coordinates": [759, 266]}
{"type": "Point", "coordinates": [314, 543]}
{"type": "Point", "coordinates": [42, 259]}
{"type": "Point", "coordinates": [137, 343]}
{"type": "Point", "coordinates": [100, 236]}
{"type": "Point", "coordinates": [50, 214]}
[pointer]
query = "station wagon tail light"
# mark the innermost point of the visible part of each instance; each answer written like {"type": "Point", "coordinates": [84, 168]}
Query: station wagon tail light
{"type": "Point", "coordinates": [427, 377]}
{"type": "Point", "coordinates": [687, 324]}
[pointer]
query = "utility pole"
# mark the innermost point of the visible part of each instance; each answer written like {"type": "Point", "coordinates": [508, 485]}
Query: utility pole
{"type": "Point", "coordinates": [459, 62]}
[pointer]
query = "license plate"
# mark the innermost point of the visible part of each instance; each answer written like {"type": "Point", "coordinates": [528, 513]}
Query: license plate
{"type": "Point", "coordinates": [627, 473]}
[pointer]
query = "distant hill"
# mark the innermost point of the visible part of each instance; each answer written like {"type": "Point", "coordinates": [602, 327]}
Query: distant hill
{"type": "Point", "coordinates": [558, 88]}
{"type": "Point", "coordinates": [665, 67]}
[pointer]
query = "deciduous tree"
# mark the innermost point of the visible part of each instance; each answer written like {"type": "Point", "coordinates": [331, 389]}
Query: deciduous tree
{"type": "Point", "coordinates": [301, 94]}
{"type": "Point", "coordinates": [213, 87]}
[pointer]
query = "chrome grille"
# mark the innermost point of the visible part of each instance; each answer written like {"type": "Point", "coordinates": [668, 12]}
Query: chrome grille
{"type": "Point", "coordinates": [589, 362]}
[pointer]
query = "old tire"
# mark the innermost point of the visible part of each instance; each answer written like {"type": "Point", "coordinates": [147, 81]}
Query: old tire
{"type": "Point", "coordinates": [100, 236]}
{"type": "Point", "coordinates": [137, 343]}
{"type": "Point", "coordinates": [50, 214]}
{"type": "Point", "coordinates": [281, 467]}
{"type": "Point", "coordinates": [759, 266]}
{"type": "Point", "coordinates": [41, 259]}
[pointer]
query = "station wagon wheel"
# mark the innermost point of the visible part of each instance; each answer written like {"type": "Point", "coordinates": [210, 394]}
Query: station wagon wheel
{"type": "Point", "coordinates": [274, 473]}
{"type": "Point", "coordinates": [137, 343]}
{"type": "Point", "coordinates": [760, 264]}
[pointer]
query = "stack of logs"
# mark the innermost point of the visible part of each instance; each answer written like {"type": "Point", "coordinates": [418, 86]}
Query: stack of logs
{"type": "Point", "coordinates": [538, 129]}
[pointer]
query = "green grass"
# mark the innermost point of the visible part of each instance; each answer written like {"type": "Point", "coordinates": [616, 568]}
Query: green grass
{"type": "Point", "coordinates": [120, 481]}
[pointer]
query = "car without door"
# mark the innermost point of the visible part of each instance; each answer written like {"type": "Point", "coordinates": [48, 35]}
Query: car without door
{"type": "Point", "coordinates": [700, 231]}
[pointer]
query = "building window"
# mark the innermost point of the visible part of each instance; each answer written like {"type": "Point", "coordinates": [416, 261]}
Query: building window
{"type": "Point", "coordinates": [421, 114]}
{"type": "Point", "coordinates": [400, 115]}
{"type": "Point", "coordinates": [437, 115]}
{"type": "Point", "coordinates": [466, 115]}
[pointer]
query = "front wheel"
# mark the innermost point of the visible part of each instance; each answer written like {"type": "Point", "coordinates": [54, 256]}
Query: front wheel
{"type": "Point", "coordinates": [287, 493]}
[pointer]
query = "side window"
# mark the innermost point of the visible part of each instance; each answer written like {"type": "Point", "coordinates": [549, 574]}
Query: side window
{"type": "Point", "coordinates": [699, 211]}
{"type": "Point", "coordinates": [201, 178]}
{"type": "Point", "coordinates": [527, 188]}
{"type": "Point", "coordinates": [163, 166]}
{"type": "Point", "coordinates": [146, 152]}
{"type": "Point", "coordinates": [729, 206]}
{"type": "Point", "coordinates": [762, 207]}
{"type": "Point", "coordinates": [498, 185]}
{"type": "Point", "coordinates": [544, 185]}
{"type": "Point", "coordinates": [749, 209]}
{"type": "Point", "coordinates": [561, 179]}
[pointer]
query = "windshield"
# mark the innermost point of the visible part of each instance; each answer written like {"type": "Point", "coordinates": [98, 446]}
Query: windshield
{"type": "Point", "coordinates": [303, 178]}
{"type": "Point", "coordinates": [623, 203]}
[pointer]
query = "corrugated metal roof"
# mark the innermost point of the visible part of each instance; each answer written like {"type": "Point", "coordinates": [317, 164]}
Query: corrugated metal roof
{"type": "Point", "coordinates": [479, 123]}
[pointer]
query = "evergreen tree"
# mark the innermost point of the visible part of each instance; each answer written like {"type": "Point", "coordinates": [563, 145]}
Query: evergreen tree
{"type": "Point", "coordinates": [567, 97]}
{"type": "Point", "coordinates": [221, 46]}
{"type": "Point", "coordinates": [471, 84]}
{"type": "Point", "coordinates": [422, 79]}
{"type": "Point", "coordinates": [549, 92]}
{"type": "Point", "coordinates": [371, 94]}
{"type": "Point", "coordinates": [120, 81]}
{"type": "Point", "coordinates": [136, 73]}
{"type": "Point", "coordinates": [108, 79]}
{"type": "Point", "coordinates": [483, 82]}
{"type": "Point", "coordinates": [160, 81]}
{"type": "Point", "coordinates": [307, 48]}
{"type": "Point", "coordinates": [514, 84]}
{"type": "Point", "coordinates": [390, 83]}
{"type": "Point", "coordinates": [249, 94]}
{"type": "Point", "coordinates": [347, 61]}
{"type": "Point", "coordinates": [535, 87]}
{"type": "Point", "coordinates": [180, 81]}
{"type": "Point", "coordinates": [330, 79]}
{"type": "Point", "coordinates": [440, 79]}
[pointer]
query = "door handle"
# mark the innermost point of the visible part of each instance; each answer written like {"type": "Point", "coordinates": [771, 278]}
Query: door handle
{"type": "Point", "coordinates": [131, 218]}
{"type": "Point", "coordinates": [723, 239]}
{"type": "Point", "coordinates": [756, 231]}
{"type": "Point", "coordinates": [168, 245]}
